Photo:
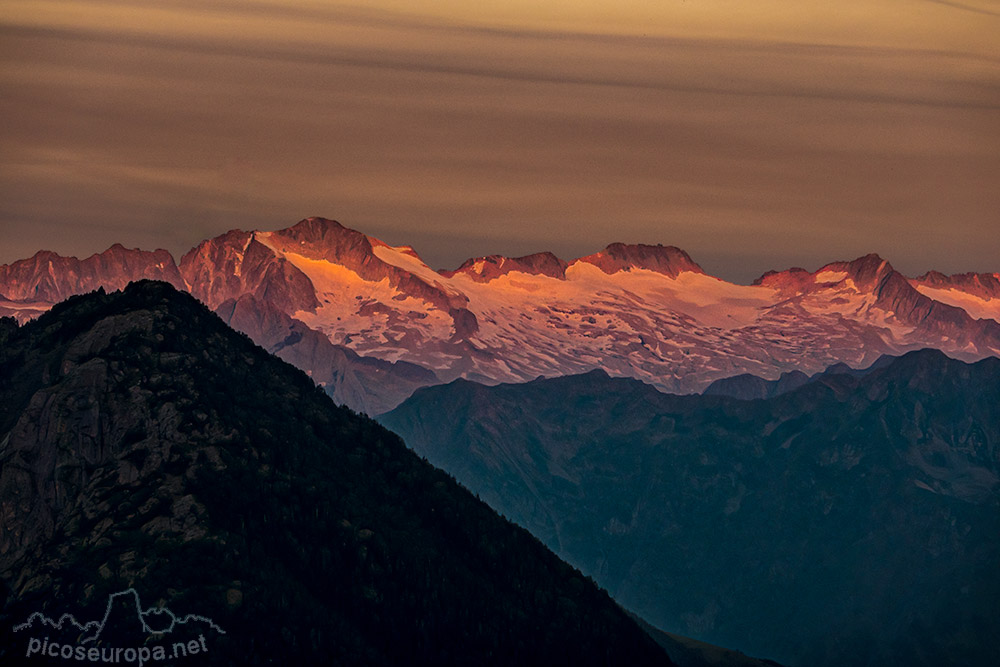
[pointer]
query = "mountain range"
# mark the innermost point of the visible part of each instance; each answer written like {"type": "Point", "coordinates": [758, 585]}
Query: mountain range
{"type": "Point", "coordinates": [372, 322]}
{"type": "Point", "coordinates": [830, 498]}
{"type": "Point", "coordinates": [853, 520]}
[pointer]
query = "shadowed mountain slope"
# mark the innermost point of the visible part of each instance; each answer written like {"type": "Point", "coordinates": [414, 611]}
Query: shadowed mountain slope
{"type": "Point", "coordinates": [145, 445]}
{"type": "Point", "coordinates": [852, 521]}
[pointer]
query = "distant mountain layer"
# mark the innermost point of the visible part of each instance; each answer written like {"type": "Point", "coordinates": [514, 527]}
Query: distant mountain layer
{"type": "Point", "coordinates": [852, 521]}
{"type": "Point", "coordinates": [149, 451]}
{"type": "Point", "coordinates": [372, 322]}
{"type": "Point", "coordinates": [750, 387]}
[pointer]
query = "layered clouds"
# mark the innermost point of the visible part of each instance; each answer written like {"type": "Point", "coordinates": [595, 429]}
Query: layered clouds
{"type": "Point", "coordinates": [753, 135]}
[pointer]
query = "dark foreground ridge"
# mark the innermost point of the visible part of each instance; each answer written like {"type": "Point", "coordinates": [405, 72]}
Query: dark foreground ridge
{"type": "Point", "coordinates": [145, 445]}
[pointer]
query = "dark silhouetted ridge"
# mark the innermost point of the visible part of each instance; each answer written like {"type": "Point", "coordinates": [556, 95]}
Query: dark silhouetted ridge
{"type": "Point", "coordinates": [145, 445]}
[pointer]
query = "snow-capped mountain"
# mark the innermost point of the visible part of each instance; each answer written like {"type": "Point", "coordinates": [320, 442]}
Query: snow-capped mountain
{"type": "Point", "coordinates": [369, 319]}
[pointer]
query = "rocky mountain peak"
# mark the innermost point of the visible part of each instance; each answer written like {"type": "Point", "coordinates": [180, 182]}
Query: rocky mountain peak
{"type": "Point", "coordinates": [866, 271]}
{"type": "Point", "coordinates": [794, 278]}
{"type": "Point", "coordinates": [490, 267]}
{"type": "Point", "coordinates": [321, 238]}
{"type": "Point", "coordinates": [48, 276]}
{"type": "Point", "coordinates": [668, 260]}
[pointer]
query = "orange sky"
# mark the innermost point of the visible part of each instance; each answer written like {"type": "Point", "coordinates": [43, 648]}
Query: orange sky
{"type": "Point", "coordinates": [755, 134]}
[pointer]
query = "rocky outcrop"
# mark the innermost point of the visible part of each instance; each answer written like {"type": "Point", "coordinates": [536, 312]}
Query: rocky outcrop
{"type": "Point", "coordinates": [49, 277]}
{"type": "Point", "coordinates": [668, 260]}
{"type": "Point", "coordinates": [491, 267]}
{"type": "Point", "coordinates": [235, 264]}
{"type": "Point", "coordinates": [788, 282]}
{"type": "Point", "coordinates": [982, 285]}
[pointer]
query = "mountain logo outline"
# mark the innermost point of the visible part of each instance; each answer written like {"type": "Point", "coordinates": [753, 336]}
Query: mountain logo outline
{"type": "Point", "coordinates": [90, 626]}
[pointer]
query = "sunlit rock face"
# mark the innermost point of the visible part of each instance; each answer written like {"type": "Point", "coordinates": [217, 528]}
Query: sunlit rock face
{"type": "Point", "coordinates": [31, 286]}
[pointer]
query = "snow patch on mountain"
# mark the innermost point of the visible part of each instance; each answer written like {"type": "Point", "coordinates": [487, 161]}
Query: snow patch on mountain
{"type": "Point", "coordinates": [641, 311]}
{"type": "Point", "coordinates": [828, 276]}
{"type": "Point", "coordinates": [976, 306]}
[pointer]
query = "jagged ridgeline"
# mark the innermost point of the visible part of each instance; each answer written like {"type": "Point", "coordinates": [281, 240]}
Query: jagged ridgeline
{"type": "Point", "coordinates": [148, 452]}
